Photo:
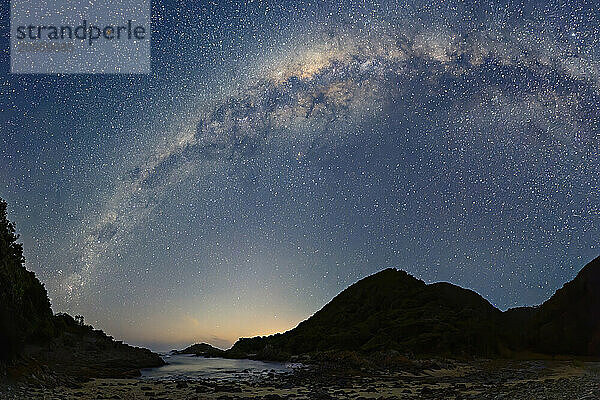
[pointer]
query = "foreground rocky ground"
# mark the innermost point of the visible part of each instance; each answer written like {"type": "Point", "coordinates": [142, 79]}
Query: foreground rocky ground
{"type": "Point", "coordinates": [445, 380]}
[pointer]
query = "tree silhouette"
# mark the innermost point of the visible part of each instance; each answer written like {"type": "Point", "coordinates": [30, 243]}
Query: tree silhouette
{"type": "Point", "coordinates": [79, 320]}
{"type": "Point", "coordinates": [25, 312]}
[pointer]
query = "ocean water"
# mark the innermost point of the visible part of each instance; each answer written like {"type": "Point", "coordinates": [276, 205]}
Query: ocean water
{"type": "Point", "coordinates": [191, 367]}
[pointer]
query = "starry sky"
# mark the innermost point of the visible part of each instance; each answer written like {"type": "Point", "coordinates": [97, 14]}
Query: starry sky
{"type": "Point", "coordinates": [280, 151]}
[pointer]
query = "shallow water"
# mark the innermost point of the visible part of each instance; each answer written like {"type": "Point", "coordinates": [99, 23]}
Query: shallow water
{"type": "Point", "coordinates": [191, 367]}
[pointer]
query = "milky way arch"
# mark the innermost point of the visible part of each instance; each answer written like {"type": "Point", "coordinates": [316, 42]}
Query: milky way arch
{"type": "Point", "coordinates": [344, 79]}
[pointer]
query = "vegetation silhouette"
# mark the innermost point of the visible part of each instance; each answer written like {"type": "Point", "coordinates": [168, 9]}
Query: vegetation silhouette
{"type": "Point", "coordinates": [392, 311]}
{"type": "Point", "coordinates": [25, 313]}
{"type": "Point", "coordinates": [36, 343]}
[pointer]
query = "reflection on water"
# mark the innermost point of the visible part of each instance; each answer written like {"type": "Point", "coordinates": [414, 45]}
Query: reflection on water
{"type": "Point", "coordinates": [192, 367]}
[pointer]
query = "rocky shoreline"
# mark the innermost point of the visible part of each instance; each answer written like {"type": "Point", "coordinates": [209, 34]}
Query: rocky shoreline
{"type": "Point", "coordinates": [77, 354]}
{"type": "Point", "coordinates": [482, 379]}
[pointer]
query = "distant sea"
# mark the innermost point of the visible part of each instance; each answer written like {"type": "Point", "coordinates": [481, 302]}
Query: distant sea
{"type": "Point", "coordinates": [190, 367]}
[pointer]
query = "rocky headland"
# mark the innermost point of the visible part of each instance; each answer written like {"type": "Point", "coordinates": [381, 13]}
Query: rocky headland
{"type": "Point", "coordinates": [38, 347]}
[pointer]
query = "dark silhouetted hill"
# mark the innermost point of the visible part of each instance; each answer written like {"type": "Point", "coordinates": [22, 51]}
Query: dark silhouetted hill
{"type": "Point", "coordinates": [392, 310]}
{"type": "Point", "coordinates": [202, 349]}
{"type": "Point", "coordinates": [35, 344]}
{"type": "Point", "coordinates": [569, 322]}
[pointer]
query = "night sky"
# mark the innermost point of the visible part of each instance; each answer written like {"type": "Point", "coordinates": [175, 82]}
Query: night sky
{"type": "Point", "coordinates": [280, 151]}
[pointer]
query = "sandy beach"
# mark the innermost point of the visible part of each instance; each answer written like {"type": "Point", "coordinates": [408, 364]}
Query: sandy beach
{"type": "Point", "coordinates": [474, 380]}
